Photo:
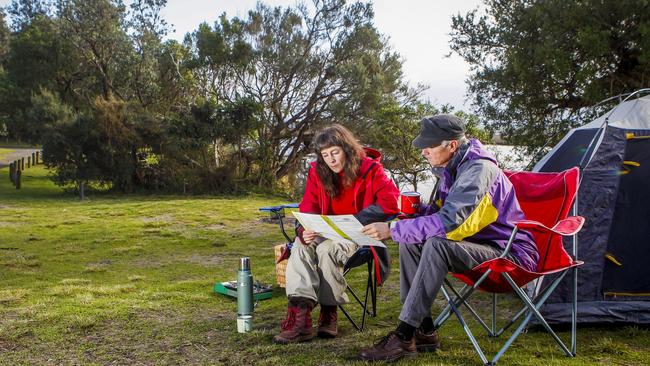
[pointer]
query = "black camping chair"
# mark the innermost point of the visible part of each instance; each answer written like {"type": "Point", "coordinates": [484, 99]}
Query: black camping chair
{"type": "Point", "coordinates": [364, 255]}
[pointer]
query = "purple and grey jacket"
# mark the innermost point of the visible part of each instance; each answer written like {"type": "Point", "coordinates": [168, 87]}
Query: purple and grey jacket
{"type": "Point", "coordinates": [473, 201]}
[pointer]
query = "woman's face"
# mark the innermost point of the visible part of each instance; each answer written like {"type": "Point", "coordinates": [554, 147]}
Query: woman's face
{"type": "Point", "coordinates": [334, 158]}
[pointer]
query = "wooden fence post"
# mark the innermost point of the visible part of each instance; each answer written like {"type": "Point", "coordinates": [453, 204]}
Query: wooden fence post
{"type": "Point", "coordinates": [33, 158]}
{"type": "Point", "coordinates": [18, 174]}
{"type": "Point", "coordinates": [22, 163]}
{"type": "Point", "coordinates": [11, 172]}
{"type": "Point", "coordinates": [29, 162]}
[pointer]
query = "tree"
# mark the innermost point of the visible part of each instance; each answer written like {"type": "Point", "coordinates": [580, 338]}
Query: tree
{"type": "Point", "coordinates": [38, 58]}
{"type": "Point", "coordinates": [71, 145]}
{"type": "Point", "coordinates": [97, 31]}
{"type": "Point", "coordinates": [23, 12]}
{"type": "Point", "coordinates": [397, 123]}
{"type": "Point", "coordinates": [306, 68]}
{"type": "Point", "coordinates": [539, 66]}
{"type": "Point", "coordinates": [4, 37]}
{"type": "Point", "coordinates": [4, 84]}
{"type": "Point", "coordinates": [148, 28]}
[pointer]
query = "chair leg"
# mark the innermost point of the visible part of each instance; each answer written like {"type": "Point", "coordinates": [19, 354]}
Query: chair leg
{"type": "Point", "coordinates": [354, 324]}
{"type": "Point", "coordinates": [494, 315]}
{"type": "Point", "coordinates": [468, 291]}
{"type": "Point", "coordinates": [370, 294]}
{"type": "Point", "coordinates": [530, 308]}
{"type": "Point", "coordinates": [444, 314]}
{"type": "Point", "coordinates": [542, 299]}
{"type": "Point", "coordinates": [512, 321]}
{"type": "Point", "coordinates": [374, 295]}
{"type": "Point", "coordinates": [512, 338]}
{"type": "Point", "coordinates": [365, 302]}
{"type": "Point", "coordinates": [469, 307]}
{"type": "Point", "coordinates": [454, 308]}
{"type": "Point", "coordinates": [533, 308]}
{"type": "Point", "coordinates": [354, 294]}
{"type": "Point", "coordinates": [347, 315]}
{"type": "Point", "coordinates": [574, 314]}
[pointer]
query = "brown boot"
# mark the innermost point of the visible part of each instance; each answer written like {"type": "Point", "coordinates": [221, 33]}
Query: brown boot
{"type": "Point", "coordinates": [327, 321]}
{"type": "Point", "coordinates": [297, 327]}
{"type": "Point", "coordinates": [426, 342]}
{"type": "Point", "coordinates": [390, 348]}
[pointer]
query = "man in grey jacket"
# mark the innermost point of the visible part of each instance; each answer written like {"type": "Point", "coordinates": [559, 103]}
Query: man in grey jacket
{"type": "Point", "coordinates": [469, 221]}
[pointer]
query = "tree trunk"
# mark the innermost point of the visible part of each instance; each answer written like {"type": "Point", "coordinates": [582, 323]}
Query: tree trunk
{"type": "Point", "coordinates": [82, 189]}
{"type": "Point", "coordinates": [217, 157]}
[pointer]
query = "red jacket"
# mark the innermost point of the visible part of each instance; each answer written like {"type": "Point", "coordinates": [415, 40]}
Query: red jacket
{"type": "Point", "coordinates": [375, 195]}
{"type": "Point", "coordinates": [375, 200]}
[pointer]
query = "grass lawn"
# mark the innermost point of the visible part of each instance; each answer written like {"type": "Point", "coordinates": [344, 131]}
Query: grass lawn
{"type": "Point", "coordinates": [128, 280]}
{"type": "Point", "coordinates": [16, 144]}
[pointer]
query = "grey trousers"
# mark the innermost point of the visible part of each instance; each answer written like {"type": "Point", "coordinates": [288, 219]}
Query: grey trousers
{"type": "Point", "coordinates": [423, 268]}
{"type": "Point", "coordinates": [315, 271]}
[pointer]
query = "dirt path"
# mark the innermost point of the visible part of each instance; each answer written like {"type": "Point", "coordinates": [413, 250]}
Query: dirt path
{"type": "Point", "coordinates": [17, 154]}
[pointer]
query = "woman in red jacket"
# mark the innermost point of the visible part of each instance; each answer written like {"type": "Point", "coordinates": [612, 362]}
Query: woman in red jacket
{"type": "Point", "coordinates": [343, 180]}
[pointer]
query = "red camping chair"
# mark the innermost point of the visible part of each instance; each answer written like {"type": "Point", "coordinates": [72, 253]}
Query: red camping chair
{"type": "Point", "coordinates": [546, 199]}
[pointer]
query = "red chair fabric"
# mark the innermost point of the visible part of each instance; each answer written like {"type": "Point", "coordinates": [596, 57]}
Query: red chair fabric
{"type": "Point", "coordinates": [546, 200]}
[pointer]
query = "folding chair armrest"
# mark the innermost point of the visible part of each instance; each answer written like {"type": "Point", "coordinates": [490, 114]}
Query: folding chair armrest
{"type": "Point", "coordinates": [271, 208]}
{"type": "Point", "coordinates": [278, 213]}
{"type": "Point", "coordinates": [279, 207]}
{"type": "Point", "coordinates": [567, 227]}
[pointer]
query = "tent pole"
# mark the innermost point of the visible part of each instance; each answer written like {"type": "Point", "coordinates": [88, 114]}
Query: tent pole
{"type": "Point", "coordinates": [574, 308]}
{"type": "Point", "coordinates": [584, 162]}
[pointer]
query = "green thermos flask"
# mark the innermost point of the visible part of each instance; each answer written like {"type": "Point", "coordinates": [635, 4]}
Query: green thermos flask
{"type": "Point", "coordinates": [244, 296]}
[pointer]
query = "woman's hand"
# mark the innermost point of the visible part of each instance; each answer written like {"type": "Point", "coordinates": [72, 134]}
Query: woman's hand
{"type": "Point", "coordinates": [309, 236]}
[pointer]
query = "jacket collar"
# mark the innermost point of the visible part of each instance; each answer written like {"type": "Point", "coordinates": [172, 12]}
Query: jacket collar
{"type": "Point", "coordinates": [458, 157]}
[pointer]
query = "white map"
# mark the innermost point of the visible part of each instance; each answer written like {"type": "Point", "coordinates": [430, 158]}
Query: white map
{"type": "Point", "coordinates": [348, 225]}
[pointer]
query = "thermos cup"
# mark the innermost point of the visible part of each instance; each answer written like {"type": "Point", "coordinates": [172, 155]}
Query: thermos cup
{"type": "Point", "coordinates": [244, 296]}
{"type": "Point", "coordinates": [410, 202]}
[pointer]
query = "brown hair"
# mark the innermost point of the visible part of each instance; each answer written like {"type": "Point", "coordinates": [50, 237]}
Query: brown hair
{"type": "Point", "coordinates": [337, 135]}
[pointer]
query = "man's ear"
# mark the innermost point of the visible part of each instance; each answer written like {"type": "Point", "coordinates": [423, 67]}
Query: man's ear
{"type": "Point", "coordinates": [453, 145]}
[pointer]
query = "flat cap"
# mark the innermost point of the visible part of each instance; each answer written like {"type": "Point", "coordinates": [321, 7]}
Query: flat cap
{"type": "Point", "coordinates": [434, 130]}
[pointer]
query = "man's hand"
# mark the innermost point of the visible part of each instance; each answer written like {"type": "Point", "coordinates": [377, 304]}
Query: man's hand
{"type": "Point", "coordinates": [309, 236]}
{"type": "Point", "coordinates": [377, 230]}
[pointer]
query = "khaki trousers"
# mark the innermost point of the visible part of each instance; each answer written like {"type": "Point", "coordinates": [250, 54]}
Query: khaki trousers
{"type": "Point", "coordinates": [315, 271]}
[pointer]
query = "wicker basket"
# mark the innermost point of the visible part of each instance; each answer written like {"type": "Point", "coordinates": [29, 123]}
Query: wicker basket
{"type": "Point", "coordinates": [281, 267]}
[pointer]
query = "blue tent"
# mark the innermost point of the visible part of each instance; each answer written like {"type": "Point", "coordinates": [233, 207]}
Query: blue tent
{"type": "Point", "coordinates": [614, 197]}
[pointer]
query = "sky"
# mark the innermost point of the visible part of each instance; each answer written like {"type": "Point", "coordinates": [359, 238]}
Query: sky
{"type": "Point", "coordinates": [417, 29]}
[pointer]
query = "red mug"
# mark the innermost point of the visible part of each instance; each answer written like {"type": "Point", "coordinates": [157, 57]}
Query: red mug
{"type": "Point", "coordinates": [410, 202]}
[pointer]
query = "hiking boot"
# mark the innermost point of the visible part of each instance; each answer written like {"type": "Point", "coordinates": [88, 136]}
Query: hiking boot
{"type": "Point", "coordinates": [390, 348]}
{"type": "Point", "coordinates": [297, 327]}
{"type": "Point", "coordinates": [327, 321]}
{"type": "Point", "coordinates": [426, 342]}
